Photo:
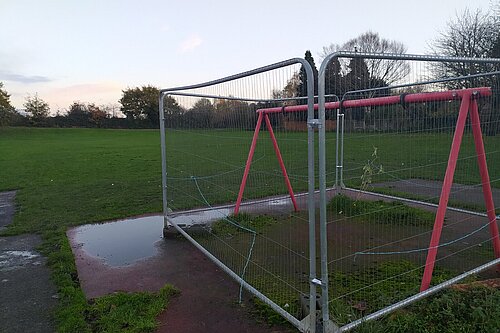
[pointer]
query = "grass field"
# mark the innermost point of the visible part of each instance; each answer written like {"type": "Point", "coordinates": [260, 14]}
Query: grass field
{"type": "Point", "coordinates": [67, 177]}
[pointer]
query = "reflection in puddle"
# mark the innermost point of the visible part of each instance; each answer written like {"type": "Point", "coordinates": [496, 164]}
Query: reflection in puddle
{"type": "Point", "coordinates": [121, 243]}
{"type": "Point", "coordinates": [200, 218]}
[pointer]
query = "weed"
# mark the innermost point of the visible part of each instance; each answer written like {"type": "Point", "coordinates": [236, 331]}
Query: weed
{"type": "Point", "coordinates": [380, 211]}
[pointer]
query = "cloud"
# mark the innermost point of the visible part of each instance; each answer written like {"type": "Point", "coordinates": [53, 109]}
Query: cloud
{"type": "Point", "coordinates": [7, 76]}
{"type": "Point", "coordinates": [98, 92]}
{"type": "Point", "coordinates": [89, 89]}
{"type": "Point", "coordinates": [190, 44]}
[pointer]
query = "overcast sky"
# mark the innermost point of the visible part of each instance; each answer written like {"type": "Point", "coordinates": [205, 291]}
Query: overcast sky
{"type": "Point", "coordinates": [88, 51]}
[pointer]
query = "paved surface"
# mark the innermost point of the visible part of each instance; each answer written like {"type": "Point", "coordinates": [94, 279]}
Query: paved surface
{"type": "Point", "coordinates": [27, 296]}
{"type": "Point", "coordinates": [208, 299]}
{"type": "Point", "coordinates": [432, 189]}
{"type": "Point", "coordinates": [7, 208]}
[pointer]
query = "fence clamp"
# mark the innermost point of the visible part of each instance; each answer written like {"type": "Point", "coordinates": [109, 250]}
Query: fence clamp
{"type": "Point", "coordinates": [317, 282]}
{"type": "Point", "coordinates": [314, 123]}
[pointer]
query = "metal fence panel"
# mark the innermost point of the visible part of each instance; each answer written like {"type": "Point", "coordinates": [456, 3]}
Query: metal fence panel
{"type": "Point", "coordinates": [239, 182]}
{"type": "Point", "coordinates": [396, 121]}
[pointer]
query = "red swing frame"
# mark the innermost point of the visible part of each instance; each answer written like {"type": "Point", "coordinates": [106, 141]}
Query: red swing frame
{"type": "Point", "coordinates": [468, 106]}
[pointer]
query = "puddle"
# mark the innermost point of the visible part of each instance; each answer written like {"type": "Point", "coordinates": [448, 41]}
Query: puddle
{"type": "Point", "coordinates": [11, 260]}
{"type": "Point", "coordinates": [122, 242]}
{"type": "Point", "coordinates": [200, 218]}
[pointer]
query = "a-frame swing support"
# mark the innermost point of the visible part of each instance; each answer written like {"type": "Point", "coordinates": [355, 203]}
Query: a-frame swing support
{"type": "Point", "coordinates": [263, 115]}
{"type": "Point", "coordinates": [467, 106]}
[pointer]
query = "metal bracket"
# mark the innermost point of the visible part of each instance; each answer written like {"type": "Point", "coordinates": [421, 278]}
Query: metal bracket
{"type": "Point", "coordinates": [317, 282]}
{"type": "Point", "coordinates": [314, 123]}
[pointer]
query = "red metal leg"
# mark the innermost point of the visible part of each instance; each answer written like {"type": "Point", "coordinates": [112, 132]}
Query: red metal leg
{"type": "Point", "coordinates": [485, 177]}
{"type": "Point", "coordinates": [445, 192]}
{"type": "Point", "coordinates": [249, 162]}
{"type": "Point", "coordinates": [280, 160]}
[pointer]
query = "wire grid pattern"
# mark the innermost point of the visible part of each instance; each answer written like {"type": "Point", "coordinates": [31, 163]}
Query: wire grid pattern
{"type": "Point", "coordinates": [208, 137]}
{"type": "Point", "coordinates": [377, 247]}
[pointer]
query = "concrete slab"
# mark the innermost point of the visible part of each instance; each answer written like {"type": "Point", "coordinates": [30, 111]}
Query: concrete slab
{"type": "Point", "coordinates": [7, 208]}
{"type": "Point", "coordinates": [432, 189]}
{"type": "Point", "coordinates": [27, 295]}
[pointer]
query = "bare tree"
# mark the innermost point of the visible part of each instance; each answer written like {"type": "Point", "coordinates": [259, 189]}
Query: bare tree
{"type": "Point", "coordinates": [387, 71]}
{"type": "Point", "coordinates": [469, 34]}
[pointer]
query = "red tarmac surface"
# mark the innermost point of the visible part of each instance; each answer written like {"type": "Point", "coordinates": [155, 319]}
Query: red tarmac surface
{"type": "Point", "coordinates": [208, 299]}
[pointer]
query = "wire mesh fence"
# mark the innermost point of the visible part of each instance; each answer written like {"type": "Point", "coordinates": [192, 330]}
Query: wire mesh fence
{"type": "Point", "coordinates": [397, 119]}
{"type": "Point", "coordinates": [391, 134]}
{"type": "Point", "coordinates": [222, 150]}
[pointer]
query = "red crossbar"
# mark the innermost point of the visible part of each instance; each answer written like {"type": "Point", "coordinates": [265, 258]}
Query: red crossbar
{"type": "Point", "coordinates": [388, 100]}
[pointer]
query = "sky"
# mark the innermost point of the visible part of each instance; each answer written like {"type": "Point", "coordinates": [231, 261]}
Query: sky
{"type": "Point", "coordinates": [89, 51]}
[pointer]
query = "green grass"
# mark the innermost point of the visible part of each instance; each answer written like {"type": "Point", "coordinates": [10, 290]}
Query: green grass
{"type": "Point", "coordinates": [133, 313]}
{"type": "Point", "coordinates": [451, 311]}
{"type": "Point", "coordinates": [380, 211]}
{"type": "Point", "coordinates": [69, 177]}
{"type": "Point", "coordinates": [238, 223]}
{"type": "Point", "coordinates": [417, 156]}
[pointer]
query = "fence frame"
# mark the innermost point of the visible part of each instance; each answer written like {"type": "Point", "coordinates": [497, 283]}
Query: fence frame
{"type": "Point", "coordinates": [307, 324]}
{"type": "Point", "coordinates": [329, 326]}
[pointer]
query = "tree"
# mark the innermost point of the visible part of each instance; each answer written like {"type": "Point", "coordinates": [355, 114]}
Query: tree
{"type": "Point", "coordinates": [380, 71]}
{"type": "Point", "coordinates": [96, 114]}
{"type": "Point", "coordinates": [36, 108]}
{"type": "Point", "coordinates": [232, 114]}
{"type": "Point", "coordinates": [290, 90]}
{"type": "Point", "coordinates": [200, 115]}
{"type": "Point", "coordinates": [472, 34]}
{"type": "Point", "coordinates": [203, 105]}
{"type": "Point", "coordinates": [302, 86]}
{"type": "Point", "coordinates": [358, 76]}
{"type": "Point", "coordinates": [469, 34]}
{"type": "Point", "coordinates": [333, 78]}
{"type": "Point", "coordinates": [142, 103]}
{"type": "Point", "coordinates": [6, 109]}
{"type": "Point", "coordinates": [78, 114]}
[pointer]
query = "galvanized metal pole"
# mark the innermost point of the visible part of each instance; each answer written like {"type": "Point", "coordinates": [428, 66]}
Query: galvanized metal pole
{"type": "Point", "coordinates": [310, 199]}
{"type": "Point", "coordinates": [322, 192]}
{"type": "Point", "coordinates": [163, 159]}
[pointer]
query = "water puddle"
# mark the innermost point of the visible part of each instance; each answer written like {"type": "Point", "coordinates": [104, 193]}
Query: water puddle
{"type": "Point", "coordinates": [122, 242]}
{"type": "Point", "coordinates": [200, 218]}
